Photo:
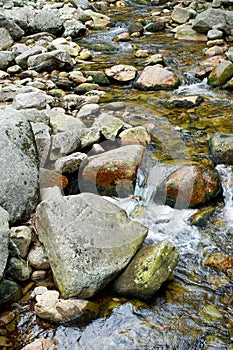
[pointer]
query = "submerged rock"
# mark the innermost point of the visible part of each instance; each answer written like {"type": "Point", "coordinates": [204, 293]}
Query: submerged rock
{"type": "Point", "coordinates": [148, 269]}
{"type": "Point", "coordinates": [221, 148]}
{"type": "Point", "coordinates": [88, 239]}
{"type": "Point", "coordinates": [112, 172]}
{"type": "Point", "coordinates": [157, 78]}
{"type": "Point", "coordinates": [121, 72]}
{"type": "Point", "coordinates": [135, 136]}
{"type": "Point", "coordinates": [186, 32]}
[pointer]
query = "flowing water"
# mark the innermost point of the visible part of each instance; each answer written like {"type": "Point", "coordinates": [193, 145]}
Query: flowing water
{"type": "Point", "coordinates": [193, 310]}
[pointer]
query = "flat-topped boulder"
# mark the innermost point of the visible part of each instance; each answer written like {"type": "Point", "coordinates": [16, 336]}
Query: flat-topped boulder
{"type": "Point", "coordinates": [157, 78]}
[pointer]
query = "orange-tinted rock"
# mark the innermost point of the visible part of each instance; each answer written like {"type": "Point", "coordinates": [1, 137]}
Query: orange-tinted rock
{"type": "Point", "coordinates": [49, 178]}
{"type": "Point", "coordinates": [40, 344]}
{"type": "Point", "coordinates": [157, 78]}
{"type": "Point", "coordinates": [219, 261]}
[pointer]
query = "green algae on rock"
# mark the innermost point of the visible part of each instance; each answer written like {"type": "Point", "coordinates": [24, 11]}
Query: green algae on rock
{"type": "Point", "coordinates": [148, 269]}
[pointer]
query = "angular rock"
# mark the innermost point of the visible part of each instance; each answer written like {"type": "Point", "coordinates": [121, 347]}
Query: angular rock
{"type": "Point", "coordinates": [88, 239]}
{"type": "Point", "coordinates": [43, 141]}
{"type": "Point", "coordinates": [112, 172]}
{"type": "Point", "coordinates": [47, 21]}
{"type": "Point", "coordinates": [88, 111]}
{"type": "Point", "coordinates": [30, 99]}
{"type": "Point", "coordinates": [108, 125]}
{"type": "Point", "coordinates": [58, 119]}
{"type": "Point", "coordinates": [22, 237]}
{"type": "Point", "coordinates": [49, 307]}
{"type": "Point", "coordinates": [89, 136]}
{"type": "Point", "coordinates": [121, 72]}
{"type": "Point", "coordinates": [229, 54]}
{"type": "Point", "coordinates": [202, 217]}
{"type": "Point", "coordinates": [99, 20]}
{"type": "Point", "coordinates": [180, 15]}
{"type": "Point", "coordinates": [157, 78]}
{"type": "Point", "coordinates": [186, 101]}
{"type": "Point", "coordinates": [219, 261]}
{"type": "Point", "coordinates": [15, 31]}
{"type": "Point", "coordinates": [206, 20]}
{"type": "Point", "coordinates": [18, 269]}
{"type": "Point", "coordinates": [4, 240]}
{"type": "Point", "coordinates": [19, 191]}
{"type": "Point", "coordinates": [98, 77]}
{"type": "Point", "coordinates": [155, 27]}
{"type": "Point", "coordinates": [37, 257]}
{"type": "Point", "coordinates": [49, 178]}
{"type": "Point", "coordinates": [186, 32]}
{"type": "Point", "coordinates": [10, 292]}
{"type": "Point", "coordinates": [190, 186]}
{"type": "Point", "coordinates": [6, 59]}
{"type": "Point", "coordinates": [6, 40]}
{"type": "Point", "coordinates": [65, 143]}
{"type": "Point", "coordinates": [70, 163]}
{"type": "Point", "coordinates": [221, 148]}
{"type": "Point", "coordinates": [221, 74]}
{"type": "Point", "coordinates": [40, 344]}
{"type": "Point", "coordinates": [57, 59]}
{"type": "Point", "coordinates": [83, 4]}
{"type": "Point", "coordinates": [74, 28]}
{"type": "Point", "coordinates": [22, 59]}
{"type": "Point", "coordinates": [135, 136]}
{"type": "Point", "coordinates": [149, 268]}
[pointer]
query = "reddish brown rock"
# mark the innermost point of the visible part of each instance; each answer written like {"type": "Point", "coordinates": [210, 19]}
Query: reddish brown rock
{"type": "Point", "coordinates": [157, 78]}
{"type": "Point", "coordinates": [121, 72]}
{"type": "Point", "coordinates": [219, 261]}
{"type": "Point", "coordinates": [49, 178]}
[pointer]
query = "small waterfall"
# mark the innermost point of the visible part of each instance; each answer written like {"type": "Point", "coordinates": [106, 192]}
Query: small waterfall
{"type": "Point", "coordinates": [226, 175]}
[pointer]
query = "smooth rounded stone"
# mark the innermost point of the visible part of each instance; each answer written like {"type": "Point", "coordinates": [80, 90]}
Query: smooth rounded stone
{"type": "Point", "coordinates": [149, 268]}
{"type": "Point", "coordinates": [180, 15]}
{"type": "Point", "coordinates": [186, 101]}
{"type": "Point", "coordinates": [214, 34]}
{"type": "Point", "coordinates": [43, 141]}
{"type": "Point", "coordinates": [4, 75]}
{"type": "Point", "coordinates": [4, 240]}
{"type": "Point", "coordinates": [115, 106]}
{"type": "Point", "coordinates": [49, 307]}
{"type": "Point", "coordinates": [215, 50]}
{"type": "Point", "coordinates": [84, 236]}
{"type": "Point", "coordinates": [229, 54]}
{"type": "Point", "coordinates": [19, 166]}
{"type": "Point", "coordinates": [99, 77]}
{"type": "Point", "coordinates": [89, 136]}
{"type": "Point", "coordinates": [14, 69]}
{"type": "Point", "coordinates": [112, 172]}
{"type": "Point", "coordinates": [46, 20]}
{"type": "Point", "coordinates": [6, 59]}
{"type": "Point", "coordinates": [133, 136]}
{"type": "Point", "coordinates": [38, 258]}
{"type": "Point", "coordinates": [155, 27]}
{"type": "Point", "coordinates": [38, 291]}
{"type": "Point", "coordinates": [74, 28]}
{"type": "Point", "coordinates": [86, 87]}
{"type": "Point", "coordinates": [31, 99]}
{"type": "Point", "coordinates": [48, 61]}
{"type": "Point", "coordinates": [70, 163]}
{"type": "Point", "coordinates": [219, 261]}
{"type": "Point", "coordinates": [221, 73]}
{"type": "Point", "coordinates": [10, 292]}
{"type": "Point", "coordinates": [77, 77]}
{"type": "Point", "coordinates": [141, 53]}
{"type": "Point", "coordinates": [99, 20]}
{"type": "Point", "coordinates": [83, 4]}
{"type": "Point", "coordinates": [6, 317]}
{"type": "Point", "coordinates": [6, 40]}
{"type": "Point", "coordinates": [22, 237]}
{"type": "Point", "coordinates": [135, 27]}
{"type": "Point", "coordinates": [202, 217]}
{"type": "Point", "coordinates": [84, 55]}
{"type": "Point", "coordinates": [18, 49]}
{"type": "Point", "coordinates": [153, 60]}
{"type": "Point", "coordinates": [62, 44]}
{"type": "Point", "coordinates": [18, 269]}
{"type": "Point", "coordinates": [221, 148]}
{"type": "Point", "coordinates": [88, 111]}
{"type": "Point", "coordinates": [65, 143]}
{"type": "Point", "coordinates": [22, 59]}
{"type": "Point", "coordinates": [122, 37]}
{"type": "Point", "coordinates": [38, 275]}
{"type": "Point", "coordinates": [15, 31]}
{"type": "Point", "coordinates": [108, 125]}
{"type": "Point", "coordinates": [215, 42]}
{"type": "Point", "coordinates": [50, 178]}
{"type": "Point", "coordinates": [121, 72]}
{"type": "Point", "coordinates": [40, 344]}
{"type": "Point", "coordinates": [189, 186]}
{"type": "Point", "coordinates": [186, 32]}
{"type": "Point", "coordinates": [157, 78]}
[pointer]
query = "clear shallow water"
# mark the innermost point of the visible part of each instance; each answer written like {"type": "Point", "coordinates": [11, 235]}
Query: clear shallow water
{"type": "Point", "coordinates": [194, 309]}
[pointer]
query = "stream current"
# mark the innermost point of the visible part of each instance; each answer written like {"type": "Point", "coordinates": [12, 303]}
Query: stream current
{"type": "Point", "coordinates": [194, 309]}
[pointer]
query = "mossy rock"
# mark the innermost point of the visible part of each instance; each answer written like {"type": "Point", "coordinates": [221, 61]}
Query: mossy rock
{"type": "Point", "coordinates": [10, 292]}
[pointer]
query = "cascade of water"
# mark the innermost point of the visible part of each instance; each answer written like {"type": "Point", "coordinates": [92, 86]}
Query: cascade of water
{"type": "Point", "coordinates": [226, 175]}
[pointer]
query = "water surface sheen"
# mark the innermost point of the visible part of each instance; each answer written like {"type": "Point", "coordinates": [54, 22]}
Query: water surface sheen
{"type": "Point", "coordinates": [194, 309]}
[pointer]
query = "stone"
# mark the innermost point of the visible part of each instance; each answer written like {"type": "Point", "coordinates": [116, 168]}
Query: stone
{"type": "Point", "coordinates": [74, 28]}
{"type": "Point", "coordinates": [202, 217]}
{"type": "Point", "coordinates": [135, 136]}
{"type": "Point", "coordinates": [65, 143]}
{"type": "Point", "coordinates": [141, 53]}
{"type": "Point", "coordinates": [112, 172]}
{"type": "Point", "coordinates": [154, 59]}
{"type": "Point", "coordinates": [22, 59]}
{"type": "Point", "coordinates": [190, 186]}
{"type": "Point", "coordinates": [19, 191]}
{"type": "Point", "coordinates": [180, 15]}
{"type": "Point", "coordinates": [59, 118]}
{"type": "Point", "coordinates": [186, 101]}
{"type": "Point", "coordinates": [186, 32]}
{"type": "Point", "coordinates": [38, 275]}
{"type": "Point", "coordinates": [49, 307]}
{"type": "Point", "coordinates": [122, 37]}
{"type": "Point", "coordinates": [157, 78]}
{"type": "Point", "coordinates": [149, 268]}
{"type": "Point", "coordinates": [155, 27]}
{"type": "Point", "coordinates": [6, 40]}
{"type": "Point", "coordinates": [221, 148]}
{"type": "Point", "coordinates": [99, 20]}
{"type": "Point", "coordinates": [77, 77]}
{"type": "Point", "coordinates": [215, 50]}
{"type": "Point", "coordinates": [6, 317]}
{"type": "Point", "coordinates": [46, 20]}
{"type": "Point", "coordinates": [85, 238]}
{"type": "Point", "coordinates": [18, 269]}
{"type": "Point", "coordinates": [15, 31]}
{"type": "Point", "coordinates": [219, 261]}
{"type": "Point", "coordinates": [229, 54]}
{"type": "Point", "coordinates": [121, 72]}
{"type": "Point", "coordinates": [89, 137]}
{"type": "Point", "coordinates": [70, 164]}
{"type": "Point", "coordinates": [221, 74]}
{"type": "Point", "coordinates": [214, 34]}
{"type": "Point", "coordinates": [48, 61]}
{"type": "Point", "coordinates": [10, 292]}
{"type": "Point", "coordinates": [40, 344]}
{"type": "Point", "coordinates": [30, 99]}
{"type": "Point", "coordinates": [4, 240]}
{"type": "Point", "coordinates": [86, 87]}
{"type": "Point", "coordinates": [50, 178]}
{"type": "Point", "coordinates": [206, 20]}
{"type": "Point", "coordinates": [22, 237]}
{"type": "Point", "coordinates": [43, 141]}
{"type": "Point", "coordinates": [83, 4]}
{"type": "Point", "coordinates": [6, 59]}
{"type": "Point", "coordinates": [108, 125]}
{"type": "Point", "coordinates": [90, 110]}
{"type": "Point", "coordinates": [37, 257]}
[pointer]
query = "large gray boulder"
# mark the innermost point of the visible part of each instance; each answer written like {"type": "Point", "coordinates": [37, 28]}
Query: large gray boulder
{"type": "Point", "coordinates": [6, 40]}
{"type": "Point", "coordinates": [4, 240]}
{"type": "Point", "coordinates": [18, 167]}
{"type": "Point", "coordinates": [88, 239]}
{"type": "Point", "coordinates": [15, 31]}
{"type": "Point", "coordinates": [221, 148]}
{"type": "Point", "coordinates": [47, 21]}
{"type": "Point", "coordinates": [211, 18]}
{"type": "Point", "coordinates": [6, 59]}
{"type": "Point", "coordinates": [48, 61]}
